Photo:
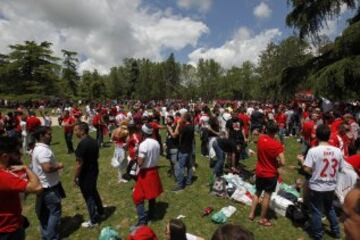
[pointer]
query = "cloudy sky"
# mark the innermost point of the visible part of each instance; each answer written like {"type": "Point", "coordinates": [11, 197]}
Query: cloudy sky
{"type": "Point", "coordinates": [104, 32]}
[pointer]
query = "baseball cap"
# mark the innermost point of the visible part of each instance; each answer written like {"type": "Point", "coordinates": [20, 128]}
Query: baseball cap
{"type": "Point", "coordinates": [146, 128]}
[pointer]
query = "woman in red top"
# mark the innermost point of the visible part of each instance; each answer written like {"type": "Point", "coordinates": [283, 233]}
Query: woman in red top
{"type": "Point", "coordinates": [270, 155]}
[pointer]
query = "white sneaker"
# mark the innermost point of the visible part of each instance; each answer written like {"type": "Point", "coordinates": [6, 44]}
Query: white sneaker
{"type": "Point", "coordinates": [88, 224]}
{"type": "Point", "coordinates": [122, 180]}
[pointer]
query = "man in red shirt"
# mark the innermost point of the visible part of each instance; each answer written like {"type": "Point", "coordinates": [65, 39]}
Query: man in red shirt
{"type": "Point", "coordinates": [246, 121]}
{"type": "Point", "coordinates": [270, 154]}
{"type": "Point", "coordinates": [68, 123]}
{"type": "Point", "coordinates": [340, 139]}
{"type": "Point", "coordinates": [308, 132]}
{"type": "Point", "coordinates": [156, 133]}
{"type": "Point", "coordinates": [11, 220]}
{"type": "Point", "coordinates": [281, 121]}
{"type": "Point", "coordinates": [336, 123]}
{"type": "Point", "coordinates": [32, 122]}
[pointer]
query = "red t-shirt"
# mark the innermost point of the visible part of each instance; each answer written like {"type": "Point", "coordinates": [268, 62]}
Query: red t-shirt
{"type": "Point", "coordinates": [96, 120]}
{"type": "Point", "coordinates": [75, 112]}
{"type": "Point", "coordinates": [338, 141]}
{"type": "Point", "coordinates": [68, 120]}
{"type": "Point", "coordinates": [155, 126]}
{"type": "Point", "coordinates": [133, 141]}
{"type": "Point", "coordinates": [32, 123]}
{"type": "Point", "coordinates": [267, 151]}
{"type": "Point", "coordinates": [308, 130]}
{"type": "Point", "coordinates": [10, 207]}
{"type": "Point", "coordinates": [336, 124]}
{"type": "Point", "coordinates": [305, 115]}
{"type": "Point", "coordinates": [246, 121]}
{"type": "Point", "coordinates": [281, 119]}
{"type": "Point", "coordinates": [354, 161]}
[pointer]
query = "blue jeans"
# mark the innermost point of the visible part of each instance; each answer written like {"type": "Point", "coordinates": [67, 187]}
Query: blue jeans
{"type": "Point", "coordinates": [220, 159]}
{"type": "Point", "coordinates": [282, 133]}
{"type": "Point", "coordinates": [48, 206]}
{"type": "Point", "coordinates": [183, 161]}
{"type": "Point", "coordinates": [319, 201]}
{"type": "Point", "coordinates": [144, 217]}
{"type": "Point", "coordinates": [92, 198]}
{"type": "Point", "coordinates": [68, 140]}
{"type": "Point", "coordinates": [172, 155]}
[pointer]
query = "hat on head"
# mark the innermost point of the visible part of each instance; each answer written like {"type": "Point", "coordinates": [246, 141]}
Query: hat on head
{"type": "Point", "coordinates": [147, 129]}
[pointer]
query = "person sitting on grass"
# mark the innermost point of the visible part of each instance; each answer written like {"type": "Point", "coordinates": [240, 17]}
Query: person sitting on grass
{"type": "Point", "coordinates": [232, 231]}
{"type": "Point", "coordinates": [176, 230]}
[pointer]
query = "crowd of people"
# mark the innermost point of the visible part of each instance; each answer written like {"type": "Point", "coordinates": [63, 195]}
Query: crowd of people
{"type": "Point", "coordinates": [328, 134]}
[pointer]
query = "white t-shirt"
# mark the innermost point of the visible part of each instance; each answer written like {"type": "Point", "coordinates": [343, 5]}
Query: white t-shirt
{"type": "Point", "coordinates": [23, 128]}
{"type": "Point", "coordinates": [249, 111]}
{"type": "Point", "coordinates": [204, 120]}
{"type": "Point", "coordinates": [326, 161]}
{"type": "Point", "coordinates": [43, 154]}
{"type": "Point", "coordinates": [149, 150]}
{"type": "Point", "coordinates": [183, 111]}
{"type": "Point", "coordinates": [120, 117]}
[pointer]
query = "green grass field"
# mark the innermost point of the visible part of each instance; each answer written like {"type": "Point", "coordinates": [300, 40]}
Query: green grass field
{"type": "Point", "coordinates": [189, 202]}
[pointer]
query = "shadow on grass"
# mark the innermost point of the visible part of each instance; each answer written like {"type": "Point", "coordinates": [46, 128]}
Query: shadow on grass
{"type": "Point", "coordinates": [108, 211]}
{"type": "Point", "coordinates": [270, 214]}
{"type": "Point", "coordinates": [161, 209]}
{"type": "Point", "coordinates": [70, 225]}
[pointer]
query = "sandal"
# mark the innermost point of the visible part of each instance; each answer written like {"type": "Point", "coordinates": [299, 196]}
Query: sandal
{"type": "Point", "coordinates": [251, 219]}
{"type": "Point", "coordinates": [234, 170]}
{"type": "Point", "coordinates": [265, 223]}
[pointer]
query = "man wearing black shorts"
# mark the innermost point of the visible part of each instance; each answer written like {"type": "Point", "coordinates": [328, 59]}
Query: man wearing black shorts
{"type": "Point", "coordinates": [270, 154]}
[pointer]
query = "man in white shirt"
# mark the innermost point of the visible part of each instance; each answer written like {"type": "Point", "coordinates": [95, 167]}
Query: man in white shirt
{"type": "Point", "coordinates": [148, 184]}
{"type": "Point", "coordinates": [323, 163]}
{"type": "Point", "coordinates": [45, 166]}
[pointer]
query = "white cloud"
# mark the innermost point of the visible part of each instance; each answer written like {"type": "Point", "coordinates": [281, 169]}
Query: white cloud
{"type": "Point", "coordinates": [201, 5]}
{"type": "Point", "coordinates": [104, 32]}
{"type": "Point", "coordinates": [262, 10]}
{"type": "Point", "coordinates": [333, 26]}
{"type": "Point", "coordinates": [244, 46]}
{"type": "Point", "coordinates": [330, 28]}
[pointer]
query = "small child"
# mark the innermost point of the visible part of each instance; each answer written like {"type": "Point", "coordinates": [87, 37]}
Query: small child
{"type": "Point", "coordinates": [119, 136]}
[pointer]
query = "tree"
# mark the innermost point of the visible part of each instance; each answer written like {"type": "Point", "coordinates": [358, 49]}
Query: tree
{"type": "Point", "coordinates": [309, 16]}
{"type": "Point", "coordinates": [69, 71]}
{"type": "Point", "coordinates": [274, 60]}
{"type": "Point", "coordinates": [209, 73]}
{"type": "Point", "coordinates": [134, 77]}
{"type": "Point", "coordinates": [172, 80]}
{"type": "Point", "coordinates": [33, 69]}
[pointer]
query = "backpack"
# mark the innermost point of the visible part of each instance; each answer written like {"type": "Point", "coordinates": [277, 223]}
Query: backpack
{"type": "Point", "coordinates": [297, 214]}
{"type": "Point", "coordinates": [289, 196]}
{"type": "Point", "coordinates": [219, 187]}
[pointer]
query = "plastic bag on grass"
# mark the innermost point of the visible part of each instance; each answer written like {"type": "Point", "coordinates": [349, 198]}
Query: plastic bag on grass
{"type": "Point", "coordinates": [108, 233]}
